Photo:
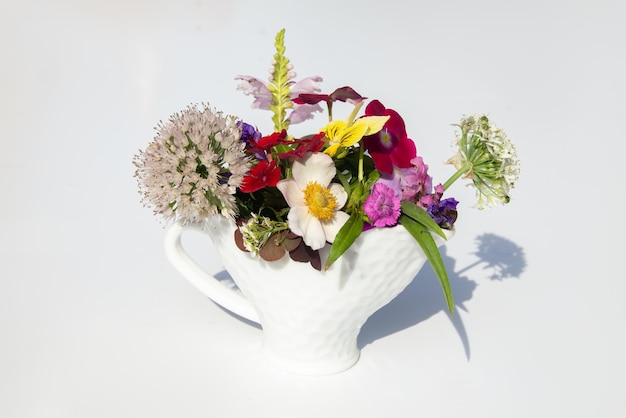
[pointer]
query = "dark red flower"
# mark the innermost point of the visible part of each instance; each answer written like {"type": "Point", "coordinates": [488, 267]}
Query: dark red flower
{"type": "Point", "coordinates": [313, 143]}
{"type": "Point", "coordinates": [262, 175]}
{"type": "Point", "coordinates": [390, 146]}
{"type": "Point", "coordinates": [342, 94]}
{"type": "Point", "coordinates": [267, 142]}
{"type": "Point", "coordinates": [272, 140]}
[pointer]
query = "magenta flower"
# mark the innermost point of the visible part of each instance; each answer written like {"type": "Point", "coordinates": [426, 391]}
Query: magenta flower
{"type": "Point", "coordinates": [382, 206]}
{"type": "Point", "coordinates": [390, 146]}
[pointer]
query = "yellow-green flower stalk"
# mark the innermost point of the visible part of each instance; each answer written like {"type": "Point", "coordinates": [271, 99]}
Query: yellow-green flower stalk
{"type": "Point", "coordinates": [278, 92]}
{"type": "Point", "coordinates": [280, 84]}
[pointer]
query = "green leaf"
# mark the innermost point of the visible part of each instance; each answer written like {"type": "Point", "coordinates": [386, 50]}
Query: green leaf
{"type": "Point", "coordinates": [346, 236]}
{"type": "Point", "coordinates": [420, 215]}
{"type": "Point", "coordinates": [427, 242]}
{"type": "Point", "coordinates": [344, 182]}
{"type": "Point", "coordinates": [372, 178]}
{"type": "Point", "coordinates": [355, 200]}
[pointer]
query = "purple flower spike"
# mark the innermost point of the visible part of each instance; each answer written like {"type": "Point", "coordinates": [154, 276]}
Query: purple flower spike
{"type": "Point", "coordinates": [444, 212]}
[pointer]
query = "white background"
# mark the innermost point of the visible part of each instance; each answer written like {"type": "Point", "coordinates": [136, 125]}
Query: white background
{"type": "Point", "coordinates": [95, 323]}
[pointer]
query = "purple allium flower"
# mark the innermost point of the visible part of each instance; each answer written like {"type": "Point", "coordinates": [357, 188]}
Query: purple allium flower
{"type": "Point", "coordinates": [382, 206]}
{"type": "Point", "coordinates": [444, 212]}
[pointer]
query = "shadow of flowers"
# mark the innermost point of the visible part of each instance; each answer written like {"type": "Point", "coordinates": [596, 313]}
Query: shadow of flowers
{"type": "Point", "coordinates": [503, 257]}
{"type": "Point", "coordinates": [423, 298]}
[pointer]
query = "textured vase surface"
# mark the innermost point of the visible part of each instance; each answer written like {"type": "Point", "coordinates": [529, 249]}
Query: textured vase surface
{"type": "Point", "coordinates": [310, 319]}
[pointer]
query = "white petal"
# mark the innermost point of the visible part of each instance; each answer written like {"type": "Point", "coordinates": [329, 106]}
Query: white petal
{"type": "Point", "coordinates": [317, 167]}
{"type": "Point", "coordinates": [340, 194]}
{"type": "Point", "coordinates": [292, 193]}
{"type": "Point", "coordinates": [332, 227]}
{"type": "Point", "coordinates": [302, 223]}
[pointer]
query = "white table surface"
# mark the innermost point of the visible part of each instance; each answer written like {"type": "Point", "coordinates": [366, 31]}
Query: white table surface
{"type": "Point", "coordinates": [94, 322]}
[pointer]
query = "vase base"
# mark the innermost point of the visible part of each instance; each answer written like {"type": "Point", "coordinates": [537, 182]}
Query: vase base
{"type": "Point", "coordinates": [312, 368]}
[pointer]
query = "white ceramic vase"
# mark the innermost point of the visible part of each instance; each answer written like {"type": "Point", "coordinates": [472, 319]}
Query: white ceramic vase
{"type": "Point", "coordinates": [310, 319]}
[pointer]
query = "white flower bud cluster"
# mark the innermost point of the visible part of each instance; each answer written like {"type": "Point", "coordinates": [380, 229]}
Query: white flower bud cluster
{"type": "Point", "coordinates": [492, 158]}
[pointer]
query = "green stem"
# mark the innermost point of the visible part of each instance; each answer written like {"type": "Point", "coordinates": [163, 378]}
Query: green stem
{"type": "Point", "coordinates": [464, 169]}
{"type": "Point", "coordinates": [361, 155]}
{"type": "Point", "coordinates": [344, 182]}
{"type": "Point", "coordinates": [352, 116]}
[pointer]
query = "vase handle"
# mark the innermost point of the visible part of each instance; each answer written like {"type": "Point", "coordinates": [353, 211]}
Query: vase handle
{"type": "Point", "coordinates": [206, 283]}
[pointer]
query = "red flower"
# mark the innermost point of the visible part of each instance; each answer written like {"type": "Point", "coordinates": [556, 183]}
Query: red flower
{"type": "Point", "coordinates": [313, 143]}
{"type": "Point", "coordinates": [295, 148]}
{"type": "Point", "coordinates": [390, 146]}
{"type": "Point", "coordinates": [262, 175]}
{"type": "Point", "coordinates": [267, 142]}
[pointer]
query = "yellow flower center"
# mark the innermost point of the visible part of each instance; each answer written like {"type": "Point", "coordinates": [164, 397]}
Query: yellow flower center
{"type": "Point", "coordinates": [385, 139]}
{"type": "Point", "coordinates": [320, 200]}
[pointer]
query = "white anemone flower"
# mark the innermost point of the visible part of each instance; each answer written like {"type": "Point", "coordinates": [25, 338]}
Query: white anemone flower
{"type": "Point", "coordinates": [315, 202]}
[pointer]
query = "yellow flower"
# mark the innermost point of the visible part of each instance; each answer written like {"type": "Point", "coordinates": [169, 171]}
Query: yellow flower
{"type": "Point", "coordinates": [343, 134]}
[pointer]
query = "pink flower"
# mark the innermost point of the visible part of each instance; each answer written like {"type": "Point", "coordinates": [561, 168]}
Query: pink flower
{"type": "Point", "coordinates": [409, 183]}
{"type": "Point", "coordinates": [263, 97]}
{"type": "Point", "coordinates": [255, 87]}
{"type": "Point", "coordinates": [382, 206]}
{"type": "Point", "coordinates": [431, 198]}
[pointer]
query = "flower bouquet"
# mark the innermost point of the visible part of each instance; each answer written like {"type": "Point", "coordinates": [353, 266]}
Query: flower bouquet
{"type": "Point", "coordinates": [309, 199]}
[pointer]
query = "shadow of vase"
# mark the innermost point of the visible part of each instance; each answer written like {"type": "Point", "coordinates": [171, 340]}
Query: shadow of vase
{"type": "Point", "coordinates": [499, 257]}
{"type": "Point", "coordinates": [421, 299]}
